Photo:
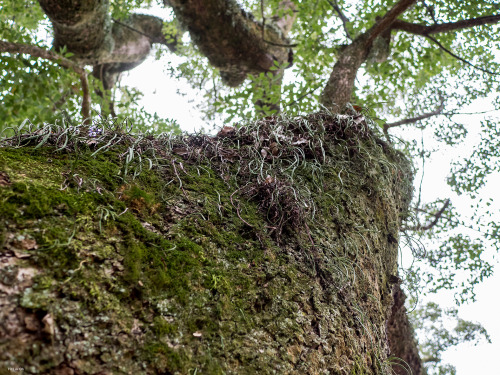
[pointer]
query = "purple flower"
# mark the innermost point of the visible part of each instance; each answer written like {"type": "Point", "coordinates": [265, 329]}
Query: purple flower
{"type": "Point", "coordinates": [94, 131]}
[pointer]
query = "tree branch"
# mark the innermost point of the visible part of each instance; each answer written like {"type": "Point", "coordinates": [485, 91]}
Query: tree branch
{"type": "Point", "coordinates": [337, 92]}
{"type": "Point", "coordinates": [460, 58]}
{"type": "Point", "coordinates": [415, 119]}
{"type": "Point", "coordinates": [444, 27]}
{"type": "Point", "coordinates": [40, 52]}
{"type": "Point", "coordinates": [388, 19]}
{"type": "Point", "coordinates": [430, 10]}
{"type": "Point", "coordinates": [230, 38]}
{"type": "Point", "coordinates": [86, 29]}
{"type": "Point", "coordinates": [86, 99]}
{"type": "Point", "coordinates": [436, 215]}
{"type": "Point", "coordinates": [342, 17]}
{"type": "Point", "coordinates": [301, 97]}
{"type": "Point", "coordinates": [59, 60]}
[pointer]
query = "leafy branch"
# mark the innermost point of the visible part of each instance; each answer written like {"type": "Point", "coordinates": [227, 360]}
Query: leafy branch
{"type": "Point", "coordinates": [62, 61]}
{"type": "Point", "coordinates": [460, 58]}
{"type": "Point", "coordinates": [437, 215]}
{"type": "Point", "coordinates": [425, 30]}
{"type": "Point", "coordinates": [342, 17]}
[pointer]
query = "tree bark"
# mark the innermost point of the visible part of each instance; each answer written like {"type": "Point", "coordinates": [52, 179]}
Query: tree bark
{"type": "Point", "coordinates": [401, 338]}
{"type": "Point", "coordinates": [231, 39]}
{"type": "Point", "coordinates": [337, 92]}
{"type": "Point", "coordinates": [85, 29]}
{"type": "Point", "coordinates": [220, 270]}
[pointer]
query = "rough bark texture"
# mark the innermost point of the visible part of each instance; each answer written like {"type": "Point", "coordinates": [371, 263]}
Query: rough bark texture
{"type": "Point", "coordinates": [401, 338]}
{"type": "Point", "coordinates": [232, 39]}
{"type": "Point", "coordinates": [85, 28]}
{"type": "Point", "coordinates": [82, 26]}
{"type": "Point", "coordinates": [337, 92]}
{"type": "Point", "coordinates": [271, 249]}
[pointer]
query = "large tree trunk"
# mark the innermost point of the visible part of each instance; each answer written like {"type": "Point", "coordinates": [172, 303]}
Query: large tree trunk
{"type": "Point", "coordinates": [271, 249]}
{"type": "Point", "coordinates": [401, 338]}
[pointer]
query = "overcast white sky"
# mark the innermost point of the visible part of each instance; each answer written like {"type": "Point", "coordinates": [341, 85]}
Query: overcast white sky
{"type": "Point", "coordinates": [161, 97]}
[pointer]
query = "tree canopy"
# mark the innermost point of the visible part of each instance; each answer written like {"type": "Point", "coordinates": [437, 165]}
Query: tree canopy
{"type": "Point", "coordinates": [408, 64]}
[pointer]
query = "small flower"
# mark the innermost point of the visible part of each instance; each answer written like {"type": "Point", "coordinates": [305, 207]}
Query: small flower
{"type": "Point", "coordinates": [94, 131]}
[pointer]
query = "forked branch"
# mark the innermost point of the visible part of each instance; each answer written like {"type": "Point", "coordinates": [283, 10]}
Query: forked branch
{"type": "Point", "coordinates": [431, 224]}
{"type": "Point", "coordinates": [337, 92]}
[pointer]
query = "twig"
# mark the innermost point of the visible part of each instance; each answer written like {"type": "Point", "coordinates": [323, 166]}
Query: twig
{"type": "Point", "coordinates": [459, 58]}
{"type": "Point", "coordinates": [469, 113]}
{"type": "Point", "coordinates": [431, 12]}
{"type": "Point", "coordinates": [342, 17]}
{"type": "Point", "coordinates": [301, 97]}
{"type": "Point", "coordinates": [154, 39]}
{"type": "Point", "coordinates": [412, 120]}
{"type": "Point", "coordinates": [133, 29]}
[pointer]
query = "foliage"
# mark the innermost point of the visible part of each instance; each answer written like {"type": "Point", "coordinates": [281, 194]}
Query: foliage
{"type": "Point", "coordinates": [432, 323]}
{"type": "Point", "coordinates": [39, 90]}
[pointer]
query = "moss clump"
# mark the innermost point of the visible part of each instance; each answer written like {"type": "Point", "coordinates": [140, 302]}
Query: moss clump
{"type": "Point", "coordinates": [266, 249]}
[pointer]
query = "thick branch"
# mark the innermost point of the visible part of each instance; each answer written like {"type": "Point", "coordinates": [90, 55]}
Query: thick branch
{"type": "Point", "coordinates": [86, 29]}
{"type": "Point", "coordinates": [133, 39]}
{"type": "Point", "coordinates": [59, 60]}
{"type": "Point", "coordinates": [444, 27]}
{"type": "Point", "coordinates": [230, 38]}
{"type": "Point", "coordinates": [82, 26]}
{"type": "Point", "coordinates": [338, 90]}
{"type": "Point", "coordinates": [388, 19]}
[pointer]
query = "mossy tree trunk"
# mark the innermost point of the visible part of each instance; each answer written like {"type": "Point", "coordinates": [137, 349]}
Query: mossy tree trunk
{"type": "Point", "coordinates": [269, 249]}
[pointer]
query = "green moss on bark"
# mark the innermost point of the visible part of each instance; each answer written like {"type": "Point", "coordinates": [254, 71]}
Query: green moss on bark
{"type": "Point", "coordinates": [182, 270]}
